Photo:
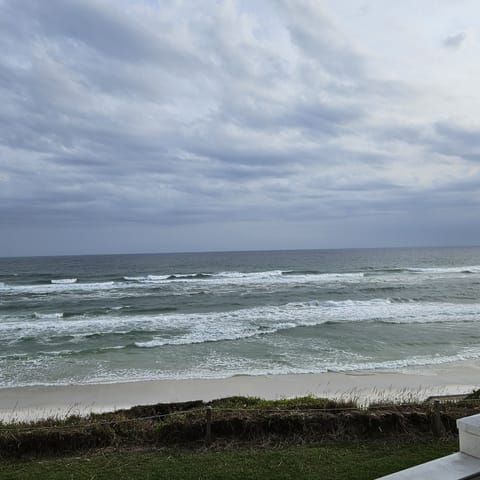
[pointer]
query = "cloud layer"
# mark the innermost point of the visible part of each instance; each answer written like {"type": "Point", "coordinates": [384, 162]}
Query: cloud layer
{"type": "Point", "coordinates": [145, 126]}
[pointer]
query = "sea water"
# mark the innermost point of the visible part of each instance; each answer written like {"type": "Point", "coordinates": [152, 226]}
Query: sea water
{"type": "Point", "coordinates": [115, 318]}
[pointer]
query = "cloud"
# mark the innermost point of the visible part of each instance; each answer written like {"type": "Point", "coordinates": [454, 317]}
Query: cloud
{"type": "Point", "coordinates": [178, 119]}
{"type": "Point", "coordinates": [455, 41]}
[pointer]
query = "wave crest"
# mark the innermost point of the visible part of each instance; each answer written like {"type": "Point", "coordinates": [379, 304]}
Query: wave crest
{"type": "Point", "coordinates": [47, 316]}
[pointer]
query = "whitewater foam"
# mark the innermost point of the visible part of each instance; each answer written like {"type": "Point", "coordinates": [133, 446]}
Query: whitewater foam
{"type": "Point", "coordinates": [61, 287]}
{"type": "Point", "coordinates": [446, 270]}
{"type": "Point", "coordinates": [184, 328]}
{"type": "Point", "coordinates": [241, 278]}
{"type": "Point", "coordinates": [233, 369]}
{"type": "Point", "coordinates": [234, 279]}
{"type": "Point", "coordinates": [47, 316]}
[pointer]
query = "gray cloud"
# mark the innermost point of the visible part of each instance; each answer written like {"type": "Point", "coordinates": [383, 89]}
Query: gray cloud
{"type": "Point", "coordinates": [314, 33]}
{"type": "Point", "coordinates": [455, 40]}
{"type": "Point", "coordinates": [105, 31]}
{"type": "Point", "coordinates": [450, 139]}
{"type": "Point", "coordinates": [119, 115]}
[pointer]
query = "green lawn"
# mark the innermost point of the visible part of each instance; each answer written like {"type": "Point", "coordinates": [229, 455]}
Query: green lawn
{"type": "Point", "coordinates": [359, 461]}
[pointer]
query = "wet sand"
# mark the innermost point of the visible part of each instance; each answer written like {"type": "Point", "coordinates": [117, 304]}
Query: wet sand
{"type": "Point", "coordinates": [27, 403]}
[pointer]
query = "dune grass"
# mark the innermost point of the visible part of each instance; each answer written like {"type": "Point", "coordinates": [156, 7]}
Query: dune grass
{"type": "Point", "coordinates": [357, 461]}
{"type": "Point", "coordinates": [235, 421]}
{"type": "Point", "coordinates": [302, 438]}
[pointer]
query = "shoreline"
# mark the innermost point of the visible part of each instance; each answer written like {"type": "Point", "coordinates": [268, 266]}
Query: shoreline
{"type": "Point", "coordinates": [365, 386]}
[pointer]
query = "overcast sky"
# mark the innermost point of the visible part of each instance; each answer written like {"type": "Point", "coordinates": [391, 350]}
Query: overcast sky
{"type": "Point", "coordinates": [151, 126]}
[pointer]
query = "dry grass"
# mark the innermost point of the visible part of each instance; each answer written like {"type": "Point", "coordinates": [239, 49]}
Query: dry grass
{"type": "Point", "coordinates": [235, 421]}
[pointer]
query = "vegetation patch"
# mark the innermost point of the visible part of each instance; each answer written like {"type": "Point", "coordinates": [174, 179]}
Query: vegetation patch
{"type": "Point", "coordinates": [234, 421]}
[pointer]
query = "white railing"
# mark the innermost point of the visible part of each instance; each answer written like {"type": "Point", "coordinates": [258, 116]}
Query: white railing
{"type": "Point", "coordinates": [464, 465]}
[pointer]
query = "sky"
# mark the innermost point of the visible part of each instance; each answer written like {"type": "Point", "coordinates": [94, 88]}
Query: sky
{"type": "Point", "coordinates": [157, 126]}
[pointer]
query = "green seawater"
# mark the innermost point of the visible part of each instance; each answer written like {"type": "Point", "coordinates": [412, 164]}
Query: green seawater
{"type": "Point", "coordinates": [129, 317]}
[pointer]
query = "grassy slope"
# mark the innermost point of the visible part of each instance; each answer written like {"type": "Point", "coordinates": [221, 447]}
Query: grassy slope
{"type": "Point", "coordinates": [360, 461]}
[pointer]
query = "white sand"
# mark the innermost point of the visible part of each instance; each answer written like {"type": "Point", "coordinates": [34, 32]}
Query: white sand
{"type": "Point", "coordinates": [25, 403]}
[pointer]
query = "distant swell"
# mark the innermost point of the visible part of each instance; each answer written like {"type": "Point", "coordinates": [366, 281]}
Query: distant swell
{"type": "Point", "coordinates": [227, 279]}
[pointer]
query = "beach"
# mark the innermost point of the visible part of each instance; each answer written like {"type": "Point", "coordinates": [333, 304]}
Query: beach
{"type": "Point", "coordinates": [129, 318]}
{"type": "Point", "coordinates": [90, 334]}
{"type": "Point", "coordinates": [418, 383]}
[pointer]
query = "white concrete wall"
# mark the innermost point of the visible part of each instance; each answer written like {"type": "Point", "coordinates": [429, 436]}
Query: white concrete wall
{"type": "Point", "coordinates": [452, 467]}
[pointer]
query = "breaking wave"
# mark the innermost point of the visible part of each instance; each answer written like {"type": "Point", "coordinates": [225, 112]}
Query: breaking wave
{"type": "Point", "coordinates": [191, 328]}
{"type": "Point", "coordinates": [47, 316]}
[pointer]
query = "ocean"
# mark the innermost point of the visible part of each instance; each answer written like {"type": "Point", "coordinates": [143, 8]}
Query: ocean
{"type": "Point", "coordinates": [116, 318]}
